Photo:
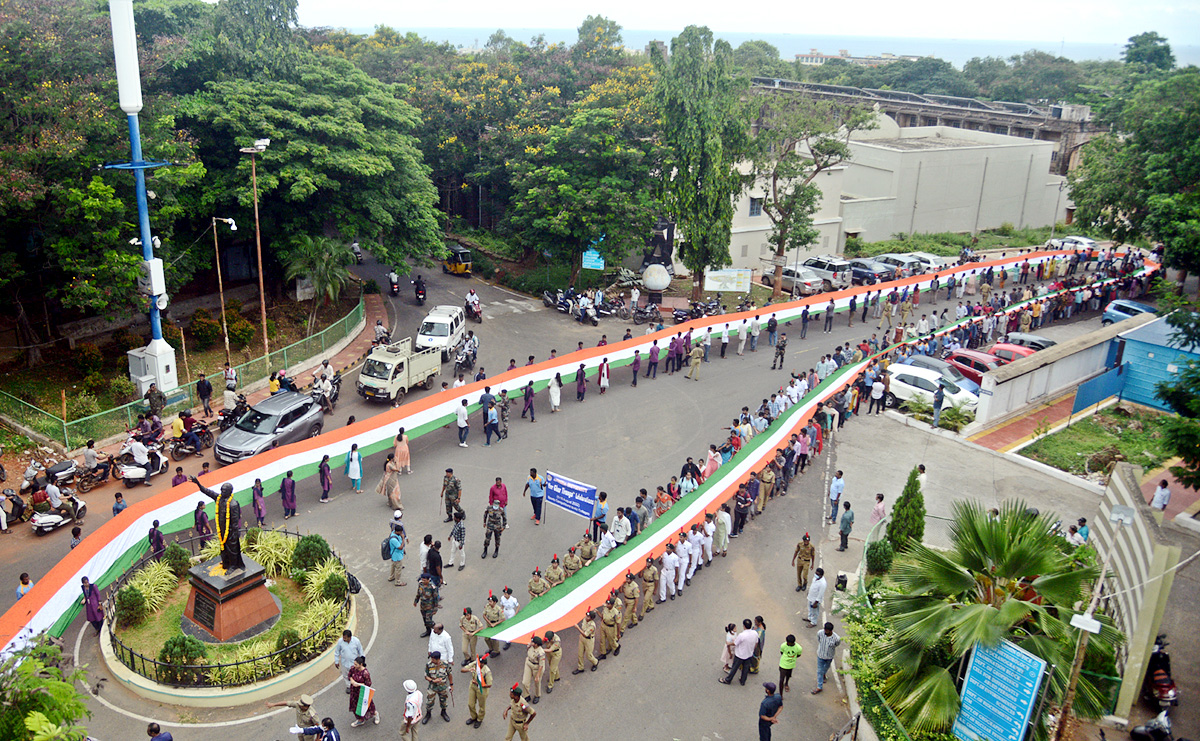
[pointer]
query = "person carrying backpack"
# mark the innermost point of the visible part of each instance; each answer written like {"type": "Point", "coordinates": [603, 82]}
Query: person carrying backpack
{"type": "Point", "coordinates": [392, 549]}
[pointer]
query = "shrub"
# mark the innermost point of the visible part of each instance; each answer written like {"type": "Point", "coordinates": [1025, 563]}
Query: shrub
{"type": "Point", "coordinates": [908, 517]}
{"type": "Point", "coordinates": [252, 535]}
{"type": "Point", "coordinates": [482, 265]}
{"type": "Point", "coordinates": [131, 606]}
{"type": "Point", "coordinates": [854, 247]}
{"type": "Point", "coordinates": [82, 405]}
{"type": "Point", "coordinates": [310, 552]}
{"type": "Point", "coordinates": [172, 334]}
{"type": "Point", "coordinates": [271, 549]}
{"type": "Point", "coordinates": [879, 557]}
{"type": "Point", "coordinates": [370, 286]}
{"type": "Point", "coordinates": [233, 310]}
{"type": "Point", "coordinates": [155, 581]}
{"type": "Point", "coordinates": [335, 588]}
{"type": "Point", "coordinates": [1006, 229]}
{"type": "Point", "coordinates": [259, 664]}
{"type": "Point", "coordinates": [178, 652]}
{"type": "Point", "coordinates": [241, 332]}
{"type": "Point", "coordinates": [314, 579]}
{"type": "Point", "coordinates": [88, 358]}
{"type": "Point", "coordinates": [122, 389]}
{"type": "Point", "coordinates": [126, 340]}
{"type": "Point", "coordinates": [288, 643]}
{"type": "Point", "coordinates": [205, 330]}
{"type": "Point", "coordinates": [318, 616]}
{"type": "Point", "coordinates": [94, 383]}
{"type": "Point", "coordinates": [272, 329]}
{"type": "Point", "coordinates": [178, 560]}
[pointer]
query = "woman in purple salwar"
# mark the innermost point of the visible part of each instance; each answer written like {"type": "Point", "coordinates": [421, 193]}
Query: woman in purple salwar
{"type": "Point", "coordinates": [260, 505]}
{"type": "Point", "coordinates": [326, 478]}
{"type": "Point", "coordinates": [91, 605]}
{"type": "Point", "coordinates": [287, 495]}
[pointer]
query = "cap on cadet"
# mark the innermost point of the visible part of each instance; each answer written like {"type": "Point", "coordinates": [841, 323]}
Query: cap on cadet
{"type": "Point", "coordinates": [507, 589]}
{"type": "Point", "coordinates": [410, 686]}
{"type": "Point", "coordinates": [806, 536]}
{"type": "Point", "coordinates": [435, 654]}
{"type": "Point", "coordinates": [649, 559]}
{"type": "Point", "coordinates": [571, 549]}
{"type": "Point", "coordinates": [770, 687]}
{"type": "Point", "coordinates": [306, 700]}
{"type": "Point", "coordinates": [536, 571]}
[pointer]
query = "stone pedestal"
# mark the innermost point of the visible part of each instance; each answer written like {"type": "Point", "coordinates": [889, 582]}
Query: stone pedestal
{"type": "Point", "coordinates": [223, 607]}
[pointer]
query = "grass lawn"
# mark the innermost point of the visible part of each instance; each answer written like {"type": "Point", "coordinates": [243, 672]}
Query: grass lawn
{"type": "Point", "coordinates": [149, 637]}
{"type": "Point", "coordinates": [1134, 435]}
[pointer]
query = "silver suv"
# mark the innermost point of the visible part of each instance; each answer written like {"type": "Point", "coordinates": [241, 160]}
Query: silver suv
{"type": "Point", "coordinates": [278, 420]}
{"type": "Point", "coordinates": [835, 272]}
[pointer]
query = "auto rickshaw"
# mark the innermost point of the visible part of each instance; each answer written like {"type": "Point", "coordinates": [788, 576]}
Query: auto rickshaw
{"type": "Point", "coordinates": [459, 260]}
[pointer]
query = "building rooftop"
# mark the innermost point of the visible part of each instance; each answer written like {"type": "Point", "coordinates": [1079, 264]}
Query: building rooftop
{"type": "Point", "coordinates": [1157, 332]}
{"type": "Point", "coordinates": [911, 144]}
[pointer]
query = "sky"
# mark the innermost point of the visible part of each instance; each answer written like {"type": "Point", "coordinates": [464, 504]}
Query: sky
{"type": "Point", "coordinates": [1080, 21]}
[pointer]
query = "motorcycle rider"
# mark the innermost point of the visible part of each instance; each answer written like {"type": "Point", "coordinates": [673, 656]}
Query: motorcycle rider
{"type": "Point", "coordinates": [473, 301]}
{"type": "Point", "coordinates": [381, 332]}
{"type": "Point", "coordinates": [472, 345]}
{"type": "Point", "coordinates": [393, 282]}
{"type": "Point", "coordinates": [57, 503]}
{"type": "Point", "coordinates": [326, 397]}
{"type": "Point", "coordinates": [584, 304]}
{"type": "Point", "coordinates": [92, 462]}
{"type": "Point", "coordinates": [419, 289]}
{"type": "Point", "coordinates": [323, 369]}
{"type": "Point", "coordinates": [141, 457]}
{"type": "Point", "coordinates": [182, 430]}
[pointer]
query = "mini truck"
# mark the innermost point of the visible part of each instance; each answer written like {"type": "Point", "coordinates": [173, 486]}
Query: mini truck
{"type": "Point", "coordinates": [391, 370]}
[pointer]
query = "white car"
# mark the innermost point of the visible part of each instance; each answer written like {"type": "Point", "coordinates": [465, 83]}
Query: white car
{"type": "Point", "coordinates": [1072, 243]}
{"type": "Point", "coordinates": [904, 263]}
{"type": "Point", "coordinates": [909, 382]}
{"type": "Point", "coordinates": [932, 262]}
{"type": "Point", "coordinates": [799, 280]}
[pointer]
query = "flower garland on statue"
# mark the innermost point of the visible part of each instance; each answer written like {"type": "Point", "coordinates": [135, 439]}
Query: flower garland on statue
{"type": "Point", "coordinates": [223, 532]}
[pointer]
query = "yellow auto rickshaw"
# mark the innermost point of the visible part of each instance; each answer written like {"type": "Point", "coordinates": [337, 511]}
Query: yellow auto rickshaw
{"type": "Point", "coordinates": [458, 261]}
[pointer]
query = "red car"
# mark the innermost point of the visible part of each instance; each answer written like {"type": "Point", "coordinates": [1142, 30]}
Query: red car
{"type": "Point", "coordinates": [973, 364]}
{"type": "Point", "coordinates": [1008, 352]}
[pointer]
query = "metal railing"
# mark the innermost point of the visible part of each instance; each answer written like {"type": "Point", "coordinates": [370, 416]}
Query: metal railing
{"type": "Point", "coordinates": [75, 433]}
{"type": "Point", "coordinates": [213, 675]}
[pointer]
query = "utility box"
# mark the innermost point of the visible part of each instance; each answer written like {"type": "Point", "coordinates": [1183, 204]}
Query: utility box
{"type": "Point", "coordinates": [152, 281]}
{"type": "Point", "coordinates": [154, 363]}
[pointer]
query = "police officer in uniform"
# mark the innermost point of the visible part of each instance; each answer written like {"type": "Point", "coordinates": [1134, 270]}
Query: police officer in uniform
{"type": "Point", "coordinates": [555, 574]}
{"type": "Point", "coordinates": [571, 563]}
{"type": "Point", "coordinates": [631, 591]}
{"type": "Point", "coordinates": [553, 648]}
{"type": "Point", "coordinates": [587, 641]}
{"type": "Point", "coordinates": [670, 563]}
{"type": "Point", "coordinates": [537, 587]}
{"type": "Point", "coordinates": [586, 549]}
{"type": "Point", "coordinates": [802, 559]}
{"type": "Point", "coordinates": [470, 624]}
{"type": "Point", "coordinates": [649, 577]}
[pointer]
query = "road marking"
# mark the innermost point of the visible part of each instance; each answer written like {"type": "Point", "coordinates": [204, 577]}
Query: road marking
{"type": "Point", "coordinates": [497, 303]}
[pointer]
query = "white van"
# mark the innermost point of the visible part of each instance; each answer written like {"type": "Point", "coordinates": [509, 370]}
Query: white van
{"type": "Point", "coordinates": [443, 329]}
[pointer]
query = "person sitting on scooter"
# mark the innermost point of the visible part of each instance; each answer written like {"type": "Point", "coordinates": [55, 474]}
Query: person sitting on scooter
{"type": "Point", "coordinates": [584, 304]}
{"type": "Point", "coordinates": [156, 428]}
{"type": "Point", "coordinates": [182, 428]}
{"type": "Point", "coordinates": [57, 503]}
{"type": "Point", "coordinates": [393, 281]}
{"type": "Point", "coordinates": [473, 302]}
{"type": "Point", "coordinates": [92, 462]}
{"type": "Point", "coordinates": [324, 369]}
{"type": "Point", "coordinates": [285, 383]}
{"type": "Point", "coordinates": [381, 333]}
{"type": "Point", "coordinates": [141, 457]}
{"type": "Point", "coordinates": [326, 397]}
{"type": "Point", "coordinates": [472, 345]}
{"type": "Point", "coordinates": [419, 289]}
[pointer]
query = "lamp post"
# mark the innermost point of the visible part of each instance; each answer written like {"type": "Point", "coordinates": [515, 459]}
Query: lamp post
{"type": "Point", "coordinates": [154, 363]}
{"type": "Point", "coordinates": [260, 145]}
{"type": "Point", "coordinates": [220, 283]}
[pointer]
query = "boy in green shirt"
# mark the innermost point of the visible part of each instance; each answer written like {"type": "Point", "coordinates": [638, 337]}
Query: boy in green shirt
{"type": "Point", "coordinates": [789, 651]}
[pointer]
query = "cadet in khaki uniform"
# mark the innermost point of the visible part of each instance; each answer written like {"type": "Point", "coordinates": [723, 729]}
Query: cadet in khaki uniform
{"type": "Point", "coordinates": [571, 563]}
{"type": "Point", "coordinates": [537, 585]}
{"type": "Point", "coordinates": [609, 619]}
{"type": "Point", "coordinates": [631, 592]}
{"type": "Point", "coordinates": [649, 579]}
{"type": "Point", "coordinates": [586, 549]}
{"type": "Point", "coordinates": [470, 626]}
{"type": "Point", "coordinates": [493, 616]}
{"type": "Point", "coordinates": [553, 648]}
{"type": "Point", "coordinates": [587, 641]}
{"type": "Point", "coordinates": [519, 714]}
{"type": "Point", "coordinates": [555, 574]}
{"type": "Point", "coordinates": [535, 664]}
{"type": "Point", "coordinates": [481, 682]}
{"type": "Point", "coordinates": [802, 559]}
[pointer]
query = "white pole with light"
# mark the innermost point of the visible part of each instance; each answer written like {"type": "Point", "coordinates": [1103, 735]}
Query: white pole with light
{"type": "Point", "coordinates": [154, 363]}
{"type": "Point", "coordinates": [260, 145]}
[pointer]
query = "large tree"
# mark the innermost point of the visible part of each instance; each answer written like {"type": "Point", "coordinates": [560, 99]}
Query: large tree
{"type": "Point", "coordinates": [701, 127]}
{"type": "Point", "coordinates": [795, 139]}
{"type": "Point", "coordinates": [1149, 49]}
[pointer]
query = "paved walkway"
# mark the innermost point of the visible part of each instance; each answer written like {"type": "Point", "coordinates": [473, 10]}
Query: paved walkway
{"type": "Point", "coordinates": [1009, 434]}
{"type": "Point", "coordinates": [1183, 499]}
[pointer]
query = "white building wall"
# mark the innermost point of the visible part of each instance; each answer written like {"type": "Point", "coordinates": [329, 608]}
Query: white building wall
{"type": "Point", "coordinates": [749, 245]}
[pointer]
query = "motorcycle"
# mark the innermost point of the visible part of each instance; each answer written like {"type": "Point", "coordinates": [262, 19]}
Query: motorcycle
{"type": "Point", "coordinates": [564, 304]}
{"type": "Point", "coordinates": [1158, 686]}
{"type": "Point", "coordinates": [474, 313]}
{"type": "Point", "coordinates": [133, 474]}
{"type": "Point", "coordinates": [229, 417]}
{"type": "Point", "coordinates": [616, 308]}
{"type": "Point", "coordinates": [712, 308]}
{"type": "Point", "coordinates": [1155, 729]}
{"type": "Point", "coordinates": [419, 292]}
{"type": "Point", "coordinates": [745, 305]}
{"type": "Point", "coordinates": [382, 337]}
{"type": "Point", "coordinates": [463, 362]}
{"type": "Point", "coordinates": [60, 473]}
{"type": "Point", "coordinates": [549, 299]}
{"type": "Point", "coordinates": [648, 313]}
{"type": "Point", "coordinates": [44, 522]}
{"type": "Point", "coordinates": [394, 286]}
{"type": "Point", "coordinates": [180, 449]}
{"type": "Point", "coordinates": [358, 255]}
{"type": "Point", "coordinates": [582, 315]}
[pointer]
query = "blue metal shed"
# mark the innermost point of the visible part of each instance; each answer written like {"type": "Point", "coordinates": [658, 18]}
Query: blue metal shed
{"type": "Point", "coordinates": [1152, 358]}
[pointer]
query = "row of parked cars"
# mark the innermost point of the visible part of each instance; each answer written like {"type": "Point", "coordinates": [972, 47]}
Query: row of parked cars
{"type": "Point", "coordinates": [825, 273]}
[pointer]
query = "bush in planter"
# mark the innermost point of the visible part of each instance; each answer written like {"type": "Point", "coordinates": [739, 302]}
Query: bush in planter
{"type": "Point", "coordinates": [288, 643]}
{"type": "Point", "coordinates": [178, 560]}
{"type": "Point", "coordinates": [335, 588]}
{"type": "Point", "coordinates": [879, 557]}
{"type": "Point", "coordinates": [178, 652]}
{"type": "Point", "coordinates": [131, 607]}
{"type": "Point", "coordinates": [310, 552]}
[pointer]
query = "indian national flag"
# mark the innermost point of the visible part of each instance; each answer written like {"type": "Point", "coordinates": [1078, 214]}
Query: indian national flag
{"type": "Point", "coordinates": [365, 696]}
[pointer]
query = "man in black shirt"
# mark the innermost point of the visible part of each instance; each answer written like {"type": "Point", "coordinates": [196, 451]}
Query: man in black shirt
{"type": "Point", "coordinates": [434, 559]}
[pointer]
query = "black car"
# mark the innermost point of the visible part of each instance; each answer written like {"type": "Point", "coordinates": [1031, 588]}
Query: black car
{"type": "Point", "coordinates": [865, 272]}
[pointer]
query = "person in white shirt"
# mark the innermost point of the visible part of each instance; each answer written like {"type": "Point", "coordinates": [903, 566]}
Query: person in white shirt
{"type": "Point", "coordinates": [802, 384]}
{"type": "Point", "coordinates": [607, 542]}
{"type": "Point", "coordinates": [670, 564]}
{"type": "Point", "coordinates": [695, 541]}
{"type": "Point", "coordinates": [793, 393]}
{"type": "Point", "coordinates": [876, 396]}
{"type": "Point", "coordinates": [324, 369]}
{"type": "Point", "coordinates": [816, 598]}
{"type": "Point", "coordinates": [1073, 537]}
{"type": "Point", "coordinates": [727, 520]}
{"type": "Point", "coordinates": [724, 339]}
{"type": "Point", "coordinates": [414, 701]}
{"type": "Point", "coordinates": [326, 389]}
{"type": "Point", "coordinates": [634, 296]}
{"type": "Point", "coordinates": [464, 424]}
{"type": "Point", "coordinates": [1162, 496]}
{"type": "Point", "coordinates": [706, 538]}
{"type": "Point", "coordinates": [743, 652]}
{"type": "Point", "coordinates": [755, 330]}
{"type": "Point", "coordinates": [439, 640]}
{"type": "Point", "coordinates": [707, 342]}
{"type": "Point", "coordinates": [683, 549]}
{"type": "Point", "coordinates": [473, 299]}
{"type": "Point", "coordinates": [621, 528]}
{"type": "Point", "coordinates": [141, 456]}
{"type": "Point", "coordinates": [743, 335]}
{"type": "Point", "coordinates": [345, 652]}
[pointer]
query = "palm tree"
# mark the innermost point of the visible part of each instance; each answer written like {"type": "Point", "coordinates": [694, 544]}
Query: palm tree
{"type": "Point", "coordinates": [1004, 578]}
{"type": "Point", "coordinates": [323, 261]}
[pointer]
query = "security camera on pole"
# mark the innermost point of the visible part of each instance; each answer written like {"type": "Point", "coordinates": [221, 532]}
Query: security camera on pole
{"type": "Point", "coordinates": [154, 363]}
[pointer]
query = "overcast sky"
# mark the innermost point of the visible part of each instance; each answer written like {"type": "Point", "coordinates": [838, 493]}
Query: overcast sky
{"type": "Point", "coordinates": [1080, 21]}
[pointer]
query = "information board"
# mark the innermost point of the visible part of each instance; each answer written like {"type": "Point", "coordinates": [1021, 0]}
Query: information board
{"type": "Point", "coordinates": [592, 260]}
{"type": "Point", "coordinates": [999, 693]}
{"type": "Point", "coordinates": [573, 496]}
{"type": "Point", "coordinates": [727, 280]}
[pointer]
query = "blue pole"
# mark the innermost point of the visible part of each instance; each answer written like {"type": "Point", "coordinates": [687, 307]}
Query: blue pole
{"type": "Point", "coordinates": [139, 173]}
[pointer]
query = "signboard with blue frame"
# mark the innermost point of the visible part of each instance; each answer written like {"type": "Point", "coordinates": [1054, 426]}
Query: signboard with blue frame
{"type": "Point", "coordinates": [999, 693]}
{"type": "Point", "coordinates": [574, 496]}
{"type": "Point", "coordinates": [592, 260]}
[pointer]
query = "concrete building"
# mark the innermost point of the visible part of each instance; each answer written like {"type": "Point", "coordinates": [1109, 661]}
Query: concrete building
{"type": "Point", "coordinates": [1152, 358]}
{"type": "Point", "coordinates": [815, 58]}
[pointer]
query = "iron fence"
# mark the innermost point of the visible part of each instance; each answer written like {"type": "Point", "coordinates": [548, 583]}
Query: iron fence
{"type": "Point", "coordinates": [215, 675]}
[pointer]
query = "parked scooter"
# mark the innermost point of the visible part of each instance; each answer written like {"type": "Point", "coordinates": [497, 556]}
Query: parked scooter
{"type": "Point", "coordinates": [358, 255]}
{"type": "Point", "coordinates": [745, 305]}
{"type": "Point", "coordinates": [585, 314]}
{"type": "Point", "coordinates": [1158, 686]}
{"type": "Point", "coordinates": [607, 309]}
{"type": "Point", "coordinates": [1155, 729]}
{"type": "Point", "coordinates": [229, 417]}
{"type": "Point", "coordinates": [648, 313]}
{"type": "Point", "coordinates": [134, 474]}
{"type": "Point", "coordinates": [564, 304]}
{"type": "Point", "coordinates": [61, 473]}
{"type": "Point", "coordinates": [44, 522]}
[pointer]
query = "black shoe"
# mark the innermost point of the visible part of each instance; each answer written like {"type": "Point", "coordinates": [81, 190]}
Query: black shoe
{"type": "Point", "coordinates": [687, 582]}
{"type": "Point", "coordinates": [535, 699]}
{"type": "Point", "coordinates": [549, 690]}
{"type": "Point", "coordinates": [484, 553]}
{"type": "Point", "coordinates": [603, 656]}
{"type": "Point", "coordinates": [448, 519]}
{"type": "Point", "coordinates": [595, 667]}
{"type": "Point", "coordinates": [470, 721]}
{"type": "Point", "coordinates": [426, 633]}
{"type": "Point", "coordinates": [478, 723]}
{"type": "Point", "coordinates": [699, 568]}
{"type": "Point", "coordinates": [426, 718]}
{"type": "Point", "coordinates": [577, 671]}
{"type": "Point", "coordinates": [672, 596]}
{"type": "Point", "coordinates": [798, 588]}
{"type": "Point", "coordinates": [804, 586]}
{"type": "Point", "coordinates": [659, 602]}
{"type": "Point", "coordinates": [495, 553]}
{"type": "Point", "coordinates": [617, 651]}
{"type": "Point", "coordinates": [463, 566]}
{"type": "Point", "coordinates": [445, 716]}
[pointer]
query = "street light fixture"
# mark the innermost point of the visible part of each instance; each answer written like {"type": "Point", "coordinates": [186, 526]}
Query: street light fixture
{"type": "Point", "coordinates": [220, 283]}
{"type": "Point", "coordinates": [260, 145]}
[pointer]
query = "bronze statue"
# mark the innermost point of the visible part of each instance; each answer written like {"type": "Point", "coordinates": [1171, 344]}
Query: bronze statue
{"type": "Point", "coordinates": [229, 524]}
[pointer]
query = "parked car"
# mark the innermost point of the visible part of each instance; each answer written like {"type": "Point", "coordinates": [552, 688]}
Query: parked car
{"type": "Point", "coordinates": [277, 420]}
{"type": "Point", "coordinates": [865, 271]}
{"type": "Point", "coordinates": [1008, 353]}
{"type": "Point", "coordinates": [797, 281]}
{"type": "Point", "coordinates": [834, 271]}
{"type": "Point", "coordinates": [948, 371]}
{"type": "Point", "coordinates": [1123, 308]}
{"type": "Point", "coordinates": [1072, 243]}
{"type": "Point", "coordinates": [904, 265]}
{"type": "Point", "coordinates": [1036, 341]}
{"type": "Point", "coordinates": [910, 382]}
{"type": "Point", "coordinates": [932, 262]}
{"type": "Point", "coordinates": [973, 364]}
{"type": "Point", "coordinates": [443, 328]}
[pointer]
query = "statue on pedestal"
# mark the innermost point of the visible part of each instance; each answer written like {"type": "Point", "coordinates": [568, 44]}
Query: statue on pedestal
{"type": "Point", "coordinates": [228, 520]}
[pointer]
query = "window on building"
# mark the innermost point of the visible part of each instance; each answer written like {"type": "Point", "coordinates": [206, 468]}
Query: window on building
{"type": "Point", "coordinates": [756, 206]}
{"type": "Point", "coordinates": [745, 250]}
